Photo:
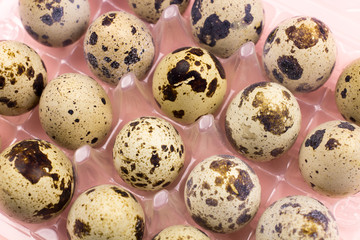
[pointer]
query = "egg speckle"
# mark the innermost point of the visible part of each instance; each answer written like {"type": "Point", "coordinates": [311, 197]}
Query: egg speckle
{"type": "Point", "coordinates": [300, 53]}
{"type": "Point", "coordinates": [36, 180]}
{"type": "Point", "coordinates": [149, 153]}
{"type": "Point", "coordinates": [222, 193]}
{"type": "Point", "coordinates": [23, 78]}
{"type": "Point", "coordinates": [181, 232]}
{"type": "Point", "coordinates": [75, 110]}
{"type": "Point", "coordinates": [189, 83]}
{"type": "Point", "coordinates": [106, 212]}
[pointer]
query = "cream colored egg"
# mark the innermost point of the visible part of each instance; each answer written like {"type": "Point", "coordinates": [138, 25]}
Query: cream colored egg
{"type": "Point", "coordinates": [300, 53]}
{"type": "Point", "coordinates": [263, 121]}
{"type": "Point", "coordinates": [75, 110]}
{"type": "Point", "coordinates": [106, 212]}
{"type": "Point", "coordinates": [329, 158]}
{"type": "Point", "coordinates": [117, 43]}
{"type": "Point", "coordinates": [222, 27]}
{"type": "Point", "coordinates": [189, 83]}
{"type": "Point", "coordinates": [36, 180]}
{"type": "Point", "coordinates": [55, 23]}
{"type": "Point", "coordinates": [222, 193]}
{"type": "Point", "coordinates": [148, 153]}
{"type": "Point", "coordinates": [23, 77]}
{"type": "Point", "coordinates": [295, 218]}
{"type": "Point", "coordinates": [181, 232]}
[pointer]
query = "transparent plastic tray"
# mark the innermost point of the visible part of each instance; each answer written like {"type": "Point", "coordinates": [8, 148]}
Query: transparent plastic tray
{"type": "Point", "coordinates": [132, 99]}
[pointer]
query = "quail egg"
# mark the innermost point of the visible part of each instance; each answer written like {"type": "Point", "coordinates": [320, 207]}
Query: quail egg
{"type": "Point", "coordinates": [148, 153]}
{"type": "Point", "coordinates": [23, 77]}
{"type": "Point", "coordinates": [55, 23]}
{"type": "Point", "coordinates": [36, 180]}
{"type": "Point", "coordinates": [222, 193]}
{"type": "Point", "coordinates": [106, 212]}
{"type": "Point", "coordinates": [75, 110]}
{"type": "Point", "coordinates": [189, 83]}
{"type": "Point", "coordinates": [117, 43]}
{"type": "Point", "coordinates": [300, 53]}
{"type": "Point", "coordinates": [181, 232]}
{"type": "Point", "coordinates": [329, 158]}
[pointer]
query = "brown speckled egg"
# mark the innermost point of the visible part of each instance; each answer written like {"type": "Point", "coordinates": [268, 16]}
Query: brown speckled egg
{"type": "Point", "coordinates": [300, 53]}
{"type": "Point", "coordinates": [347, 92]}
{"type": "Point", "coordinates": [55, 23]}
{"type": "Point", "coordinates": [263, 121]}
{"type": "Point", "coordinates": [106, 212]}
{"type": "Point", "coordinates": [75, 110]}
{"type": "Point", "coordinates": [151, 10]}
{"type": "Point", "coordinates": [223, 26]}
{"type": "Point", "coordinates": [189, 83]}
{"type": "Point", "coordinates": [222, 193]}
{"type": "Point", "coordinates": [36, 180]}
{"type": "Point", "coordinates": [117, 43]}
{"type": "Point", "coordinates": [295, 218]}
{"type": "Point", "coordinates": [148, 153]}
{"type": "Point", "coordinates": [181, 232]}
{"type": "Point", "coordinates": [23, 77]}
{"type": "Point", "coordinates": [329, 158]}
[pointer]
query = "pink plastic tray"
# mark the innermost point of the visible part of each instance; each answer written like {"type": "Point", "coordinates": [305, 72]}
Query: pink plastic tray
{"type": "Point", "coordinates": [131, 99]}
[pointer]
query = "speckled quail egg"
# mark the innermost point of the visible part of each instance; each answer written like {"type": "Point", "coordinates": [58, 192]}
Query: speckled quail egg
{"type": "Point", "coordinates": [117, 43]}
{"type": "Point", "coordinates": [300, 53]}
{"type": "Point", "coordinates": [222, 193]}
{"type": "Point", "coordinates": [223, 26]}
{"type": "Point", "coordinates": [151, 10]}
{"type": "Point", "coordinates": [297, 217]}
{"type": "Point", "coordinates": [36, 180]}
{"type": "Point", "coordinates": [55, 23]}
{"type": "Point", "coordinates": [106, 212]}
{"type": "Point", "coordinates": [189, 83]}
{"type": "Point", "coordinates": [263, 121]}
{"type": "Point", "coordinates": [75, 110]}
{"type": "Point", "coordinates": [178, 232]}
{"type": "Point", "coordinates": [148, 153]}
{"type": "Point", "coordinates": [23, 77]}
{"type": "Point", "coordinates": [329, 158]}
{"type": "Point", "coordinates": [347, 92]}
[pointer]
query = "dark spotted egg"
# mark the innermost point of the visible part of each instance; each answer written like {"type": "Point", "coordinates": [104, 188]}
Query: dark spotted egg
{"type": "Point", "coordinates": [300, 53]}
{"type": "Point", "coordinates": [36, 180]}
{"type": "Point", "coordinates": [55, 23]}
{"type": "Point", "coordinates": [295, 218]}
{"type": "Point", "coordinates": [181, 232]}
{"type": "Point", "coordinates": [189, 83]}
{"type": "Point", "coordinates": [23, 78]}
{"type": "Point", "coordinates": [222, 26]}
{"type": "Point", "coordinates": [106, 212]}
{"type": "Point", "coordinates": [117, 43]}
{"type": "Point", "coordinates": [222, 193]}
{"type": "Point", "coordinates": [329, 158]}
{"type": "Point", "coordinates": [148, 153]}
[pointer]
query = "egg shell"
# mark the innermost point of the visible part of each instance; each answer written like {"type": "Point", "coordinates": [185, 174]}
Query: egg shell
{"type": "Point", "coordinates": [44, 20]}
{"type": "Point", "coordinates": [36, 180]}
{"type": "Point", "coordinates": [75, 110]}
{"type": "Point", "coordinates": [106, 212]}
{"type": "Point", "coordinates": [297, 217]}
{"type": "Point", "coordinates": [263, 121]}
{"type": "Point", "coordinates": [117, 43]}
{"type": "Point", "coordinates": [222, 193]}
{"type": "Point", "coordinates": [151, 10]}
{"type": "Point", "coordinates": [181, 232]}
{"type": "Point", "coordinates": [148, 153]}
{"type": "Point", "coordinates": [23, 77]}
{"type": "Point", "coordinates": [347, 93]}
{"type": "Point", "coordinates": [300, 53]}
{"type": "Point", "coordinates": [188, 83]}
{"type": "Point", "coordinates": [223, 26]}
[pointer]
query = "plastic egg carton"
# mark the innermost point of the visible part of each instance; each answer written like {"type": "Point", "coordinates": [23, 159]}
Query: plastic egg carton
{"type": "Point", "coordinates": [132, 98]}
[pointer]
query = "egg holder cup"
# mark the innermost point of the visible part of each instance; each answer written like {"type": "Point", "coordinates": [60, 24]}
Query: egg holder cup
{"type": "Point", "coordinates": [132, 98]}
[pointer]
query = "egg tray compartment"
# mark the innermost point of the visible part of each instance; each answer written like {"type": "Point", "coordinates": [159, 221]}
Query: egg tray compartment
{"type": "Point", "coordinates": [206, 137]}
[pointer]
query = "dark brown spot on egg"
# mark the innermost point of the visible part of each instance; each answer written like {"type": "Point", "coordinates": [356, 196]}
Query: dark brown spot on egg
{"type": "Point", "coordinates": [178, 114]}
{"type": "Point", "coordinates": [212, 87]}
{"type": "Point", "coordinates": [248, 90]}
{"type": "Point", "coordinates": [133, 30]}
{"type": "Point", "coordinates": [290, 204]}
{"type": "Point", "coordinates": [319, 218]}
{"type": "Point", "coordinates": [2, 82]}
{"type": "Point", "coordinates": [31, 32]}
{"type": "Point", "coordinates": [115, 65]}
{"type": "Point", "coordinates": [90, 191]}
{"type": "Point", "coordinates": [158, 183]}
{"type": "Point", "coordinates": [343, 93]}
{"type": "Point", "coordinates": [155, 161]}
{"type": "Point", "coordinates": [8, 102]}
{"type": "Point", "coordinates": [178, 73]}
{"type": "Point", "coordinates": [169, 93]}
{"type": "Point", "coordinates": [278, 76]}
{"type": "Point", "coordinates": [57, 13]}
{"type": "Point", "coordinates": [218, 66]}
{"type": "Point", "coordinates": [271, 36]}
{"type": "Point", "coordinates": [93, 38]}
{"type": "Point", "coordinates": [286, 94]}
{"type": "Point", "coordinates": [347, 78]}
{"type": "Point", "coordinates": [67, 42]}
{"type": "Point", "coordinates": [305, 87]}
{"type": "Point", "coordinates": [240, 186]}
{"type": "Point", "coordinates": [331, 144]}
{"type": "Point", "coordinates": [196, 11]}
{"type": "Point", "coordinates": [315, 140]}
{"type": "Point", "coordinates": [38, 85]}
{"type": "Point", "coordinates": [290, 67]}
{"type": "Point", "coordinates": [47, 19]}
{"type": "Point", "coordinates": [214, 29]}
{"type": "Point", "coordinates": [120, 191]}
{"type": "Point", "coordinates": [346, 125]}
{"type": "Point", "coordinates": [243, 218]}
{"type": "Point", "coordinates": [30, 72]}
{"type": "Point", "coordinates": [139, 228]}
{"type": "Point", "coordinates": [20, 69]}
{"type": "Point", "coordinates": [92, 60]}
{"type": "Point", "coordinates": [211, 202]}
{"type": "Point", "coordinates": [222, 166]}
{"type": "Point", "coordinates": [81, 229]}
{"type": "Point", "coordinates": [107, 20]}
{"type": "Point", "coordinates": [201, 221]}
{"type": "Point", "coordinates": [180, 49]}
{"type": "Point", "coordinates": [277, 151]}
{"type": "Point", "coordinates": [132, 56]}
{"type": "Point", "coordinates": [248, 19]}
